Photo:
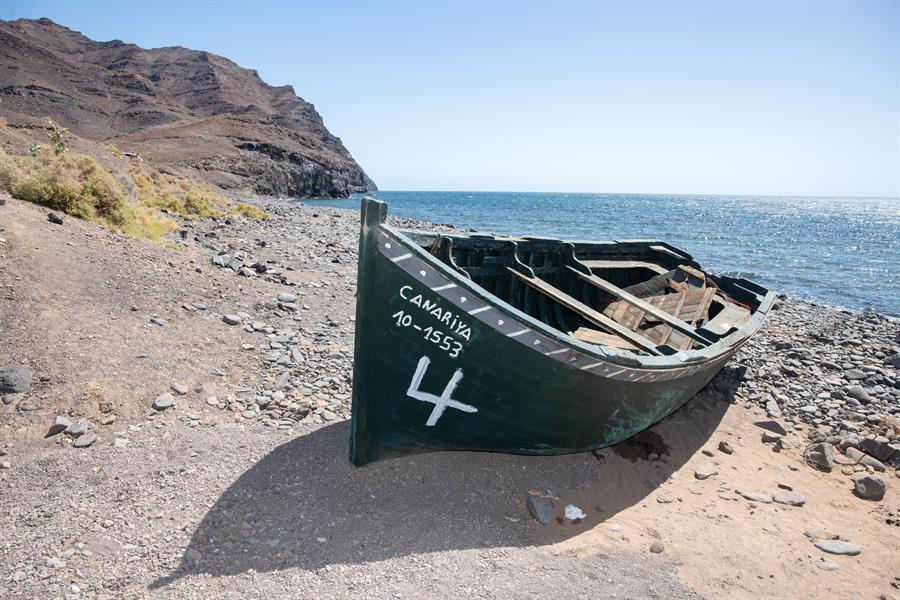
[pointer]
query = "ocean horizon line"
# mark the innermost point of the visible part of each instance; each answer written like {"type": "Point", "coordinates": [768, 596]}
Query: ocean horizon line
{"type": "Point", "coordinates": [637, 194]}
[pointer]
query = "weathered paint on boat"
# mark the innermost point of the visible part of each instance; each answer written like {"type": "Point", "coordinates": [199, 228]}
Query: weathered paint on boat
{"type": "Point", "coordinates": [440, 364]}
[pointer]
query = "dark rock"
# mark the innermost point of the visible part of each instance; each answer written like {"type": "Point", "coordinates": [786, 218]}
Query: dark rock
{"type": "Point", "coordinates": [657, 547]}
{"type": "Point", "coordinates": [59, 425]}
{"type": "Point", "coordinates": [879, 447]}
{"type": "Point", "coordinates": [769, 437]}
{"type": "Point", "coordinates": [55, 218]}
{"type": "Point", "coordinates": [869, 487]}
{"type": "Point", "coordinates": [541, 508]}
{"type": "Point", "coordinates": [15, 379]}
{"type": "Point", "coordinates": [158, 321]}
{"type": "Point", "coordinates": [820, 455]}
{"type": "Point", "coordinates": [726, 447]}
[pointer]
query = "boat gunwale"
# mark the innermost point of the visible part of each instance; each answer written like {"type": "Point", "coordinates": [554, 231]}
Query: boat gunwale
{"type": "Point", "coordinates": [677, 360]}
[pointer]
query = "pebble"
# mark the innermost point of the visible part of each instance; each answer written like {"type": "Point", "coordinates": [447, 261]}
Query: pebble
{"type": "Point", "coordinates": [85, 440]}
{"type": "Point", "coordinates": [726, 447]}
{"type": "Point", "coordinates": [158, 321]}
{"type": "Point", "coordinates": [163, 401]}
{"type": "Point", "coordinates": [78, 428]}
{"type": "Point", "coordinates": [837, 547]}
{"type": "Point", "coordinates": [232, 319]}
{"type": "Point", "coordinates": [770, 437]}
{"type": "Point", "coordinates": [573, 513]}
{"type": "Point", "coordinates": [827, 565]}
{"type": "Point", "coordinates": [789, 498]}
{"type": "Point", "coordinates": [702, 474]}
{"type": "Point", "coordinates": [757, 497]}
{"type": "Point", "coordinates": [212, 401]}
{"type": "Point", "coordinates": [179, 388]}
{"type": "Point", "coordinates": [60, 424]}
{"type": "Point", "coordinates": [657, 547]}
{"type": "Point", "coordinates": [541, 508]}
{"type": "Point", "coordinates": [857, 392]}
{"type": "Point", "coordinates": [54, 218]}
{"type": "Point", "coordinates": [287, 297]}
{"type": "Point", "coordinates": [5, 465]}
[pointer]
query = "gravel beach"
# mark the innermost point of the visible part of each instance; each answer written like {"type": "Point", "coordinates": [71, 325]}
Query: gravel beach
{"type": "Point", "coordinates": [174, 424]}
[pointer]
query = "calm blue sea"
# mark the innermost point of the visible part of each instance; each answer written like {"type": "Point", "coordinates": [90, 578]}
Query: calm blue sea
{"type": "Point", "coordinates": [844, 252]}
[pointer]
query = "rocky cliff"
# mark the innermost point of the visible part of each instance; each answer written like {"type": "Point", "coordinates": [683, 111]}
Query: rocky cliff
{"type": "Point", "coordinates": [182, 109]}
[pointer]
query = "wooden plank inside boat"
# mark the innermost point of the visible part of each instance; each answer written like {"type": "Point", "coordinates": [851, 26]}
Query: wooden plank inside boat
{"type": "Point", "coordinates": [586, 311]}
{"type": "Point", "coordinates": [601, 338]}
{"type": "Point", "coordinates": [647, 307]}
{"type": "Point", "coordinates": [624, 264]}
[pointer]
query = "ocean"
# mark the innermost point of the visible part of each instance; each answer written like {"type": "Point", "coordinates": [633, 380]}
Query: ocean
{"type": "Point", "coordinates": [841, 252]}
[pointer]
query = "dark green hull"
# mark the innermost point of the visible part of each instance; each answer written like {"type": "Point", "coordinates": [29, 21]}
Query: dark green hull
{"type": "Point", "coordinates": [441, 365]}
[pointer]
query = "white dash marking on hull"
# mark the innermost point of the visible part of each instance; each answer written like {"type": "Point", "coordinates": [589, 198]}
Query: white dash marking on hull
{"type": "Point", "coordinates": [441, 288]}
{"type": "Point", "coordinates": [517, 333]}
{"type": "Point", "coordinates": [475, 311]}
{"type": "Point", "coordinates": [397, 259]}
{"type": "Point", "coordinates": [559, 351]}
{"type": "Point", "coordinates": [591, 366]}
{"type": "Point", "coordinates": [614, 373]}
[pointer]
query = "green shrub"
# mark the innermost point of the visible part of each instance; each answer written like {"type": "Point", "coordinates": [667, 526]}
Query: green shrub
{"type": "Point", "coordinates": [57, 137]}
{"type": "Point", "coordinates": [9, 171]}
{"type": "Point", "coordinates": [249, 211]}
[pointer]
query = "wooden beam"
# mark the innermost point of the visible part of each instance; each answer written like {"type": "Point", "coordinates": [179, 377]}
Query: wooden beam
{"type": "Point", "coordinates": [591, 315]}
{"type": "Point", "coordinates": [623, 264]}
{"type": "Point", "coordinates": [673, 322]}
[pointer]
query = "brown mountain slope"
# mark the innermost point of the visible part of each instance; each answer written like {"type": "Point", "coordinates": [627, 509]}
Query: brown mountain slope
{"type": "Point", "coordinates": [184, 109]}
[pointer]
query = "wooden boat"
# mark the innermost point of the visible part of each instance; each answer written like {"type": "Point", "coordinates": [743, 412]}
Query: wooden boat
{"type": "Point", "coordinates": [530, 345]}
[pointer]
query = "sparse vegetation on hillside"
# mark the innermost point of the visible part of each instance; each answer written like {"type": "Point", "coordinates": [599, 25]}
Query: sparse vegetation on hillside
{"type": "Point", "coordinates": [78, 185]}
{"type": "Point", "coordinates": [185, 197]}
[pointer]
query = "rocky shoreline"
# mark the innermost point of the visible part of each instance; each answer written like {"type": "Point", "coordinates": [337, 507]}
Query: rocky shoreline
{"type": "Point", "coordinates": [248, 330]}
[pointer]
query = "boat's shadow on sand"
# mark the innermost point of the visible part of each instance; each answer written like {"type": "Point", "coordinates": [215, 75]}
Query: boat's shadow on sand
{"type": "Point", "coordinates": [305, 506]}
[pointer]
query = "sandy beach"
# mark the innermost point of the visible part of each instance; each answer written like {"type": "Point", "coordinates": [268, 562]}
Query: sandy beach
{"type": "Point", "coordinates": [183, 433]}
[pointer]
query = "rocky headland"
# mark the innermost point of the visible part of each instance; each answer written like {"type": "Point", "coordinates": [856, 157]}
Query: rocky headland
{"type": "Point", "coordinates": [188, 112]}
{"type": "Point", "coordinates": [174, 424]}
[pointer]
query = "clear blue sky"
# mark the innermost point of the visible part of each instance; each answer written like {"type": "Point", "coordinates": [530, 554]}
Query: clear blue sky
{"type": "Point", "coordinates": [733, 98]}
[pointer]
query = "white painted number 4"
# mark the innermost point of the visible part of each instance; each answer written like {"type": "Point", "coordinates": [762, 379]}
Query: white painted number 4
{"type": "Point", "coordinates": [440, 402]}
